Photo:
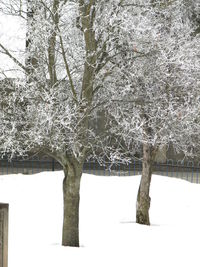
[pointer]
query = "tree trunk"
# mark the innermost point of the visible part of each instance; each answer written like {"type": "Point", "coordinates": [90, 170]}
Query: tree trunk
{"type": "Point", "coordinates": [31, 62]}
{"type": "Point", "coordinates": [143, 198]}
{"type": "Point", "coordinates": [71, 197]}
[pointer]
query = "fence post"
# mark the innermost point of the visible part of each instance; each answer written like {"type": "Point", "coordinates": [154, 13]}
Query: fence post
{"type": "Point", "coordinates": [53, 165]}
{"type": "Point", "coordinates": [4, 235]}
{"type": "Point", "coordinates": [190, 164]}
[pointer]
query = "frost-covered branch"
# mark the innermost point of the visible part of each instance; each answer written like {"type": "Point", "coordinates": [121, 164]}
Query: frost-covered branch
{"type": "Point", "coordinates": [6, 51]}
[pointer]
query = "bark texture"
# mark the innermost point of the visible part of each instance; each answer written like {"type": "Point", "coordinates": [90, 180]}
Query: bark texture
{"type": "Point", "coordinates": [73, 170]}
{"type": "Point", "coordinates": [143, 198]}
{"type": "Point", "coordinates": [71, 198]}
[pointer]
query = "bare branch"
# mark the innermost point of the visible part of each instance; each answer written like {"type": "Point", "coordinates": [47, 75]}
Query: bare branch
{"type": "Point", "coordinates": [13, 58]}
{"type": "Point", "coordinates": [63, 51]}
{"type": "Point", "coordinates": [67, 68]}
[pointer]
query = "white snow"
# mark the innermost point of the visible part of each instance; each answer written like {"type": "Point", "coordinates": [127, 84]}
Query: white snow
{"type": "Point", "coordinates": [109, 235]}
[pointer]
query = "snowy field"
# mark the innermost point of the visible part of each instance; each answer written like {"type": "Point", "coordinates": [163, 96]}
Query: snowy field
{"type": "Point", "coordinates": [109, 235]}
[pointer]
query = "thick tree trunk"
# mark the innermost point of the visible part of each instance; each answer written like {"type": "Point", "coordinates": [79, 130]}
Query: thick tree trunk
{"type": "Point", "coordinates": [143, 198]}
{"type": "Point", "coordinates": [71, 197]}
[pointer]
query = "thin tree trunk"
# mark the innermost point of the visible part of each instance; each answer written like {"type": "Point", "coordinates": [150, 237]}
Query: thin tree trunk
{"type": "Point", "coordinates": [31, 62]}
{"type": "Point", "coordinates": [143, 198]}
{"type": "Point", "coordinates": [71, 197]}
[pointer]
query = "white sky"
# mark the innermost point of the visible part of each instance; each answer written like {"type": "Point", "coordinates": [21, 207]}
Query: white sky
{"type": "Point", "coordinates": [12, 36]}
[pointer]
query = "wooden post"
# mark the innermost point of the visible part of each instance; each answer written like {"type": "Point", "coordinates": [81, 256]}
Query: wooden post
{"type": "Point", "coordinates": [4, 235]}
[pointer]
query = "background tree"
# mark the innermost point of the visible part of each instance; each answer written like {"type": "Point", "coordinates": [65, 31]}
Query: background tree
{"type": "Point", "coordinates": [158, 85]}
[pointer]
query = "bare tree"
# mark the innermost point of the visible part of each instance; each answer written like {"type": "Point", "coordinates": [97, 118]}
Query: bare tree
{"type": "Point", "coordinates": [158, 85]}
{"type": "Point", "coordinates": [69, 56]}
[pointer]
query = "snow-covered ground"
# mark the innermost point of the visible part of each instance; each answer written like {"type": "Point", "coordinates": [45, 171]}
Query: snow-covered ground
{"type": "Point", "coordinates": [109, 235]}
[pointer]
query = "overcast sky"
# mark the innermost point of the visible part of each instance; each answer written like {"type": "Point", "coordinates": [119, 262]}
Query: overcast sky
{"type": "Point", "coordinates": [12, 36]}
